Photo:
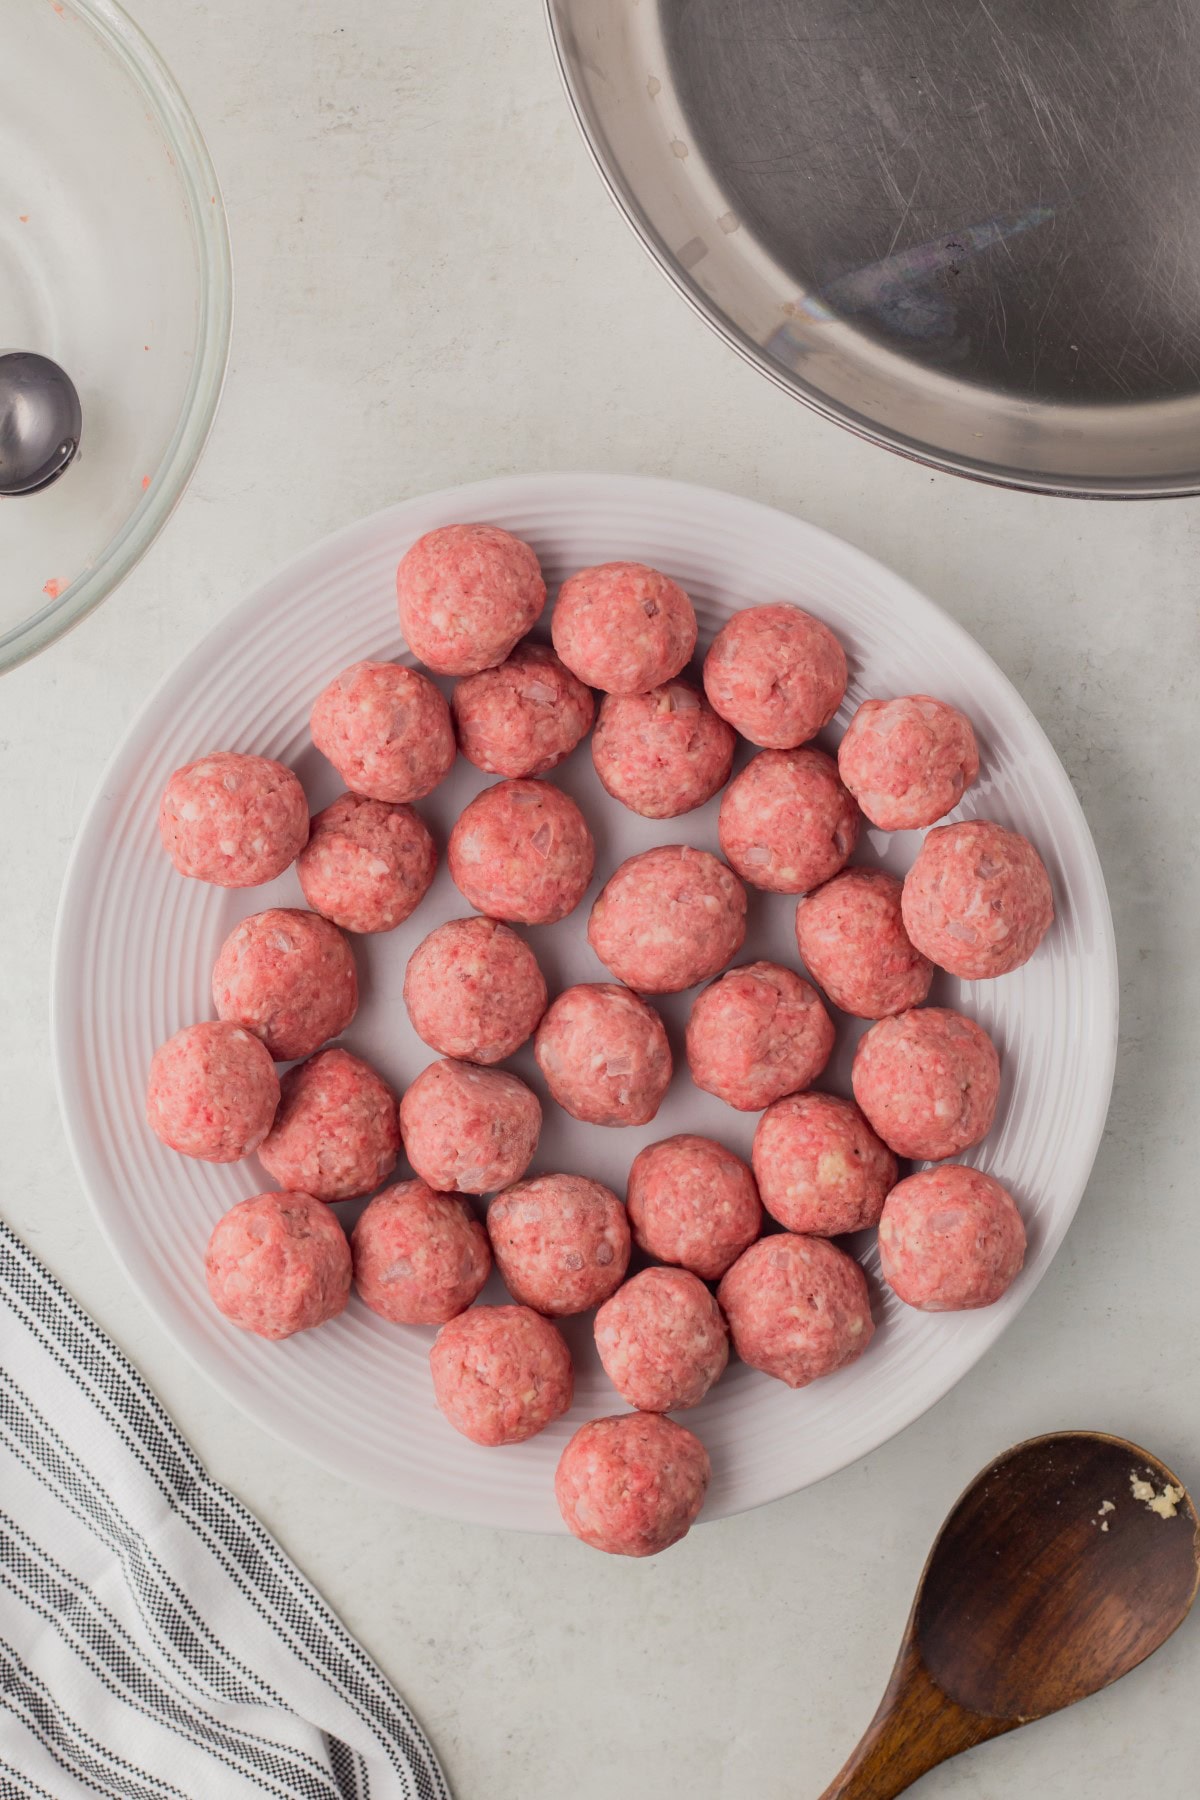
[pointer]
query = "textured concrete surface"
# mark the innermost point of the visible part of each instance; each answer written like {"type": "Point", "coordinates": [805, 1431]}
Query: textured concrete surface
{"type": "Point", "coordinates": [433, 286]}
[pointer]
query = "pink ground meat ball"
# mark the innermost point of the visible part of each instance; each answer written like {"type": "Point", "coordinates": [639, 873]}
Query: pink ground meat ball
{"type": "Point", "coordinates": [757, 1033]}
{"type": "Point", "coordinates": [852, 939]}
{"type": "Point", "coordinates": [694, 1203]}
{"type": "Point", "coordinates": [668, 918]}
{"type": "Point", "coordinates": [474, 990]}
{"type": "Point", "coordinates": [604, 1054]}
{"type": "Point", "coordinates": [632, 1485]}
{"type": "Point", "coordinates": [278, 1263]}
{"type": "Point", "coordinates": [664, 752]}
{"type": "Point", "coordinates": [236, 821]}
{"type": "Point", "coordinates": [420, 1257]}
{"type": "Point", "coordinates": [522, 851]}
{"type": "Point", "coordinates": [977, 901]}
{"type": "Point", "coordinates": [501, 1374]}
{"type": "Point", "coordinates": [927, 1080]}
{"type": "Point", "coordinates": [212, 1092]}
{"type": "Point", "coordinates": [623, 628]}
{"type": "Point", "coordinates": [662, 1340]}
{"type": "Point", "coordinates": [908, 762]}
{"type": "Point", "coordinates": [467, 594]}
{"type": "Point", "coordinates": [950, 1239]}
{"type": "Point", "coordinates": [386, 730]}
{"type": "Point", "coordinates": [777, 674]}
{"type": "Point", "coordinates": [337, 1132]}
{"type": "Point", "coordinates": [797, 1307]}
{"type": "Point", "coordinates": [787, 823]}
{"type": "Point", "coordinates": [367, 865]}
{"type": "Point", "coordinates": [561, 1242]}
{"type": "Point", "coordinates": [289, 977]}
{"type": "Point", "coordinates": [468, 1130]}
{"type": "Point", "coordinates": [820, 1168]}
{"type": "Point", "coordinates": [523, 717]}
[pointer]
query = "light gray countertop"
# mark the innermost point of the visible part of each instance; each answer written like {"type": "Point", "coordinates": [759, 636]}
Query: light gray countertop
{"type": "Point", "coordinates": [433, 286]}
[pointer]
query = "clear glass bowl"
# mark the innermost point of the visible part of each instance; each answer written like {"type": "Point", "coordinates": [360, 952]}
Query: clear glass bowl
{"type": "Point", "coordinates": [114, 260]}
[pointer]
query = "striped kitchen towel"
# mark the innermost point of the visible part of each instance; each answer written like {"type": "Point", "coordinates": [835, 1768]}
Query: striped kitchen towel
{"type": "Point", "coordinates": [155, 1642]}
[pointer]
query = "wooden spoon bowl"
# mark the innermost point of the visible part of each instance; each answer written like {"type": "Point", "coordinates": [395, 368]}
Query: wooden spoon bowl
{"type": "Point", "coordinates": [1066, 1563]}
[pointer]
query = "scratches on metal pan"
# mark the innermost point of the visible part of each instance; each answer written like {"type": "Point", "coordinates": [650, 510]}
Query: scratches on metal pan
{"type": "Point", "coordinates": [908, 291]}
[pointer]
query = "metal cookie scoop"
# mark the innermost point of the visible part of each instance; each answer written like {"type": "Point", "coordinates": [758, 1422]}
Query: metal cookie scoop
{"type": "Point", "coordinates": [40, 422]}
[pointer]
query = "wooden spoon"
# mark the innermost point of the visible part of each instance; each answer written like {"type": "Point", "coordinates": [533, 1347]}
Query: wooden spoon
{"type": "Point", "coordinates": [1051, 1578]}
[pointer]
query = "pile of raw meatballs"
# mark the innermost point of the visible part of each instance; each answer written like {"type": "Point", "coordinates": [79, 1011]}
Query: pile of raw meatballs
{"type": "Point", "coordinates": [976, 902]}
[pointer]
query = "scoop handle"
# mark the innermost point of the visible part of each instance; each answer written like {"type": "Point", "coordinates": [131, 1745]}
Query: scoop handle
{"type": "Point", "coordinates": [916, 1728]}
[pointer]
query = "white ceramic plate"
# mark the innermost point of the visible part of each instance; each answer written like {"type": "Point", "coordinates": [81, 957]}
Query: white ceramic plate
{"type": "Point", "coordinates": [136, 943]}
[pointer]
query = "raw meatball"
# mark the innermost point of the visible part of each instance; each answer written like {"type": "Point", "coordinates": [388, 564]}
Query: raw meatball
{"type": "Point", "coordinates": [632, 1485]}
{"type": "Point", "coordinates": [853, 942]}
{"type": "Point", "coordinates": [468, 1130]}
{"type": "Point", "coordinates": [367, 865]}
{"type": "Point", "coordinates": [758, 1032]}
{"type": "Point", "coordinates": [386, 730]}
{"type": "Point", "coordinates": [420, 1258]}
{"type": "Point", "coordinates": [234, 820]}
{"type": "Point", "coordinates": [467, 593]}
{"type": "Point", "coordinates": [950, 1239]}
{"type": "Point", "coordinates": [561, 1242]}
{"type": "Point", "coordinates": [474, 990]}
{"type": "Point", "coordinates": [693, 1202]}
{"type": "Point", "coordinates": [337, 1133]}
{"type": "Point", "coordinates": [278, 1263]}
{"type": "Point", "coordinates": [523, 717]}
{"type": "Point", "coordinates": [212, 1092]}
{"type": "Point", "coordinates": [797, 1307]}
{"type": "Point", "coordinates": [820, 1168]}
{"type": "Point", "coordinates": [777, 674]}
{"type": "Point", "coordinates": [288, 976]}
{"type": "Point", "coordinates": [623, 628]}
{"type": "Point", "coordinates": [605, 1055]}
{"type": "Point", "coordinates": [501, 1374]}
{"type": "Point", "coordinates": [522, 850]}
{"type": "Point", "coordinates": [786, 822]}
{"type": "Point", "coordinates": [977, 901]}
{"type": "Point", "coordinates": [908, 762]}
{"type": "Point", "coordinates": [662, 753]}
{"type": "Point", "coordinates": [668, 918]}
{"type": "Point", "coordinates": [662, 1340]}
{"type": "Point", "coordinates": [927, 1080]}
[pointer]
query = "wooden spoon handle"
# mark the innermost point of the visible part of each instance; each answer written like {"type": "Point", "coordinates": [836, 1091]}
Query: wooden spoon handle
{"type": "Point", "coordinates": [916, 1728]}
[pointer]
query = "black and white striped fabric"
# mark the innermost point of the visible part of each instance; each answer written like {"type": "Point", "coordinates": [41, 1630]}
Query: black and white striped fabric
{"type": "Point", "coordinates": [155, 1642]}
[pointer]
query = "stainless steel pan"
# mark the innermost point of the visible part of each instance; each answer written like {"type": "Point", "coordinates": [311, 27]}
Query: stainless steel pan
{"type": "Point", "coordinates": [966, 229]}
